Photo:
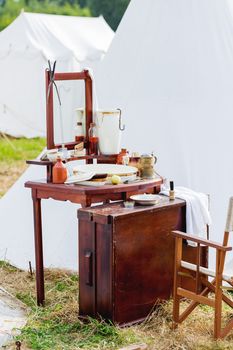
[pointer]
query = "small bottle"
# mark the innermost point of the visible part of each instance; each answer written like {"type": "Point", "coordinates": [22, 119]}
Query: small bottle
{"type": "Point", "coordinates": [172, 192]}
{"type": "Point", "coordinates": [125, 159]}
{"type": "Point", "coordinates": [59, 172]}
{"type": "Point", "coordinates": [93, 140]}
{"type": "Point", "coordinates": [63, 151]}
{"type": "Point", "coordinates": [121, 155]}
{"type": "Point", "coordinates": [79, 134]}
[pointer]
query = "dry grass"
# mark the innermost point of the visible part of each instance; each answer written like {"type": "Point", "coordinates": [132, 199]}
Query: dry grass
{"type": "Point", "coordinates": [22, 285]}
{"type": "Point", "coordinates": [61, 315]}
{"type": "Point", "coordinates": [57, 325]}
{"type": "Point", "coordinates": [9, 173]}
{"type": "Point", "coordinates": [195, 333]}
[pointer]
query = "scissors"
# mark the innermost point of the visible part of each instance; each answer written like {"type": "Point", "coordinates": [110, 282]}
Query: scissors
{"type": "Point", "coordinates": [51, 71]}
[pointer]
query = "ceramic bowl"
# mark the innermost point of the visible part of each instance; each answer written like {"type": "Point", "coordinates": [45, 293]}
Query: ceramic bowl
{"type": "Point", "coordinates": [146, 199]}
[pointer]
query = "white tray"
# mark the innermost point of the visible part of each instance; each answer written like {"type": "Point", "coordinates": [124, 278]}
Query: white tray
{"type": "Point", "coordinates": [110, 169]}
{"type": "Point", "coordinates": [75, 179]}
{"type": "Point", "coordinates": [92, 183]}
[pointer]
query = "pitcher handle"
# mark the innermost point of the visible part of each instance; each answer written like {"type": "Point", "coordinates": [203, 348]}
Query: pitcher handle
{"type": "Point", "coordinates": [121, 127]}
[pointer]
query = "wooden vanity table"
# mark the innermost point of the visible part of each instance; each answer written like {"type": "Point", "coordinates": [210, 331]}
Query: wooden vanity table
{"type": "Point", "coordinates": [125, 255]}
{"type": "Point", "coordinates": [84, 195]}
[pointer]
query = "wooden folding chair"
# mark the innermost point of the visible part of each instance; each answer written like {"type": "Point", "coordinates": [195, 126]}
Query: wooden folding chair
{"type": "Point", "coordinates": [201, 276]}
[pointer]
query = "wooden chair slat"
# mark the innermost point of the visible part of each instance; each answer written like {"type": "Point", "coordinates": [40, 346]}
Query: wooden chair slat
{"type": "Point", "coordinates": [205, 271]}
{"type": "Point", "coordinates": [196, 297]}
{"type": "Point", "coordinates": [203, 241]}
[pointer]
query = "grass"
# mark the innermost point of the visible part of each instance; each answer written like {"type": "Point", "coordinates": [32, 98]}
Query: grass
{"type": "Point", "coordinates": [57, 327]}
{"type": "Point", "coordinates": [13, 154]}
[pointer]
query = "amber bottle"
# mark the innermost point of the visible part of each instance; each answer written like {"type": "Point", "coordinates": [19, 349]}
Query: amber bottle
{"type": "Point", "coordinates": [121, 155]}
{"type": "Point", "coordinates": [79, 134]}
{"type": "Point", "coordinates": [59, 172]}
{"type": "Point", "coordinates": [93, 140]}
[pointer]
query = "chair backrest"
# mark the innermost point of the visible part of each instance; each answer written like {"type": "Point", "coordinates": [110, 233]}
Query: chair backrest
{"type": "Point", "coordinates": [229, 224]}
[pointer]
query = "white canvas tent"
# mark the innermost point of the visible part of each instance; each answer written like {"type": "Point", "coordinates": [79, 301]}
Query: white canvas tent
{"type": "Point", "coordinates": [60, 227]}
{"type": "Point", "coordinates": [170, 69]}
{"type": "Point", "coordinates": [25, 48]}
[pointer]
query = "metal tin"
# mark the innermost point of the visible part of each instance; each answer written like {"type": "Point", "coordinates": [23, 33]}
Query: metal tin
{"type": "Point", "coordinates": [147, 163]}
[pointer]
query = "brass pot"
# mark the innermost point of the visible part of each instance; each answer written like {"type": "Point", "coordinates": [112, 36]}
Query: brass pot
{"type": "Point", "coordinates": [147, 163]}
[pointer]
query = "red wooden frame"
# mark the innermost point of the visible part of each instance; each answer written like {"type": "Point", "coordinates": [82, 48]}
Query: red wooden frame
{"type": "Point", "coordinates": [84, 75]}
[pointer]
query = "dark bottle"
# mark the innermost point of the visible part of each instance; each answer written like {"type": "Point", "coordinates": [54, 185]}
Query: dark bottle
{"type": "Point", "coordinates": [93, 140]}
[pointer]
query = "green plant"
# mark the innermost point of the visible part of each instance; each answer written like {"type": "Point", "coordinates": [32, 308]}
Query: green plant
{"type": "Point", "coordinates": [10, 9]}
{"type": "Point", "coordinates": [13, 156]}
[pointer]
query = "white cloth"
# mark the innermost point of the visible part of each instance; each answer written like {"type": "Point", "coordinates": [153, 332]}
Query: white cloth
{"type": "Point", "coordinates": [197, 211]}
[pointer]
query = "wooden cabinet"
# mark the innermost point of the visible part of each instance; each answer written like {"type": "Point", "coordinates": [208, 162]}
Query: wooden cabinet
{"type": "Point", "coordinates": [126, 258]}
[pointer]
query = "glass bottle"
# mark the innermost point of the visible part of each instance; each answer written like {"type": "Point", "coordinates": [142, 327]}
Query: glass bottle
{"type": "Point", "coordinates": [121, 155]}
{"type": "Point", "coordinates": [93, 140]}
{"type": "Point", "coordinates": [79, 134]}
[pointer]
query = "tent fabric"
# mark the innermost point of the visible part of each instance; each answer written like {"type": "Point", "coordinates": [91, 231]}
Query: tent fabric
{"type": "Point", "coordinates": [59, 222]}
{"type": "Point", "coordinates": [56, 37]}
{"type": "Point", "coordinates": [172, 76]}
{"type": "Point", "coordinates": [25, 48]}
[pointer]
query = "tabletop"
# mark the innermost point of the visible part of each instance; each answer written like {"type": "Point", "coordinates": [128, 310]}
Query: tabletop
{"type": "Point", "coordinates": [42, 184]}
{"type": "Point", "coordinates": [86, 195]}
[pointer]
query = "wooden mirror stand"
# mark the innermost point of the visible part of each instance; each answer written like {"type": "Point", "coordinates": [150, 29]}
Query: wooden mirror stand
{"type": "Point", "coordinates": [84, 75]}
{"type": "Point", "coordinates": [50, 82]}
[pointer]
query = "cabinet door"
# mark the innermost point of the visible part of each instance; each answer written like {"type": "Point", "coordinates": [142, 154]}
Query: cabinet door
{"type": "Point", "coordinates": [87, 275]}
{"type": "Point", "coordinates": [144, 260]}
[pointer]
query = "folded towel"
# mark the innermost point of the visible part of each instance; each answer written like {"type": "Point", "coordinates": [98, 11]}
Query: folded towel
{"type": "Point", "coordinates": [197, 210]}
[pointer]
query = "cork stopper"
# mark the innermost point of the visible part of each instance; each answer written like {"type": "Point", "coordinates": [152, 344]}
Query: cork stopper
{"type": "Point", "coordinates": [229, 224]}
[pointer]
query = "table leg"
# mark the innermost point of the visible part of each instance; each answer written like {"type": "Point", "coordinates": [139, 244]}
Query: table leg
{"type": "Point", "coordinates": [38, 249]}
{"type": "Point", "coordinates": [125, 196]}
{"type": "Point", "coordinates": [49, 173]}
{"type": "Point", "coordinates": [87, 203]}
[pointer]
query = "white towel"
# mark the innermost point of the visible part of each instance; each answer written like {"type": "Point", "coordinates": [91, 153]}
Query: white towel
{"type": "Point", "coordinates": [197, 210]}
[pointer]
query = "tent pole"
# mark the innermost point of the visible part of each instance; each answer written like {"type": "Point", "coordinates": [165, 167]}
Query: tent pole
{"type": "Point", "coordinates": [8, 140]}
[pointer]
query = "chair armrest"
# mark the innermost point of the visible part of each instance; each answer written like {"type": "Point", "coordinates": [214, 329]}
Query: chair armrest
{"type": "Point", "coordinates": [203, 241]}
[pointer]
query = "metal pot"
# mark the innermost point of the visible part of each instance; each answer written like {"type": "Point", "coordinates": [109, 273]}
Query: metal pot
{"type": "Point", "coordinates": [147, 163]}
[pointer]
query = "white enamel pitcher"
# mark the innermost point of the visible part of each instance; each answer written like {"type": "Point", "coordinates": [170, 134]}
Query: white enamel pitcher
{"type": "Point", "coordinates": [109, 126]}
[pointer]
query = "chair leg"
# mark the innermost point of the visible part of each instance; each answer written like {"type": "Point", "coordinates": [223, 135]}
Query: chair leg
{"type": "Point", "coordinates": [218, 297]}
{"type": "Point", "coordinates": [218, 312]}
{"type": "Point", "coordinates": [176, 311]}
{"type": "Point", "coordinates": [176, 297]}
